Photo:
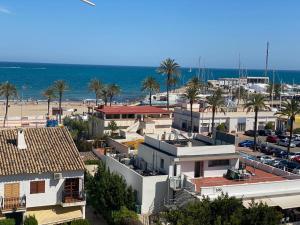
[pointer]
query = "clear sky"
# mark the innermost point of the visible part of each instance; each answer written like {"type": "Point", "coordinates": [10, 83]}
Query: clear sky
{"type": "Point", "coordinates": [143, 32]}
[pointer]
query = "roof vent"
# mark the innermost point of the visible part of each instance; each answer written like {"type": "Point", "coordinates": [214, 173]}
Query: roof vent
{"type": "Point", "coordinates": [21, 139]}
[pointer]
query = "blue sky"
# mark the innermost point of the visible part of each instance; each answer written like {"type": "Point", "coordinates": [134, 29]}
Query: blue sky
{"type": "Point", "coordinates": [143, 32]}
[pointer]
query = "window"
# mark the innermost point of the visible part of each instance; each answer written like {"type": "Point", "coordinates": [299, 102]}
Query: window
{"type": "Point", "coordinates": [162, 163]}
{"type": "Point", "coordinates": [37, 187]}
{"type": "Point", "coordinates": [213, 163]}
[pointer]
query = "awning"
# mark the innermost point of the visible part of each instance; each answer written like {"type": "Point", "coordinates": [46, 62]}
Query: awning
{"type": "Point", "coordinates": [284, 202]}
{"type": "Point", "coordinates": [55, 214]}
{"type": "Point", "coordinates": [287, 202]}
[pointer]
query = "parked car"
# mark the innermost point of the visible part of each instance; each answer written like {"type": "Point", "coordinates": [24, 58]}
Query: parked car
{"type": "Point", "coordinates": [280, 132]}
{"type": "Point", "coordinates": [275, 162]}
{"type": "Point", "coordinates": [296, 170]}
{"type": "Point", "coordinates": [265, 132]}
{"type": "Point", "coordinates": [296, 159]}
{"type": "Point", "coordinates": [285, 143]}
{"type": "Point", "coordinates": [281, 136]}
{"type": "Point", "coordinates": [263, 148]}
{"type": "Point", "coordinates": [265, 159]}
{"type": "Point", "coordinates": [294, 155]}
{"type": "Point", "coordinates": [296, 137]}
{"type": "Point", "coordinates": [272, 139]}
{"type": "Point", "coordinates": [287, 165]}
{"type": "Point", "coordinates": [246, 143]}
{"type": "Point", "coordinates": [249, 133]}
{"type": "Point", "coordinates": [281, 154]}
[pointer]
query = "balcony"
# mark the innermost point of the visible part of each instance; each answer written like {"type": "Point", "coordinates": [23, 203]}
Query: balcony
{"type": "Point", "coordinates": [74, 198]}
{"type": "Point", "coordinates": [12, 204]}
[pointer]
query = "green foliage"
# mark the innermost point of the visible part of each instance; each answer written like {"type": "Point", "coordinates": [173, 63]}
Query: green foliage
{"type": "Point", "coordinates": [80, 132]}
{"type": "Point", "coordinates": [113, 127]}
{"type": "Point", "coordinates": [224, 210]}
{"type": "Point", "coordinates": [124, 217]}
{"type": "Point", "coordinates": [80, 222]}
{"type": "Point", "coordinates": [269, 126]}
{"type": "Point", "coordinates": [108, 192]}
{"type": "Point", "coordinates": [91, 162]}
{"type": "Point", "coordinates": [7, 222]}
{"type": "Point", "coordinates": [30, 220]}
{"type": "Point", "coordinates": [222, 127]}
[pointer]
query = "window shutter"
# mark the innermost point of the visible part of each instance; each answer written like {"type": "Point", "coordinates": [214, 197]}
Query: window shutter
{"type": "Point", "coordinates": [41, 186]}
{"type": "Point", "coordinates": [33, 187]}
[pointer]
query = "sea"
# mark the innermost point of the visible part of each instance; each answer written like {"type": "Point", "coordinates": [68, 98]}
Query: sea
{"type": "Point", "coordinates": [32, 78]}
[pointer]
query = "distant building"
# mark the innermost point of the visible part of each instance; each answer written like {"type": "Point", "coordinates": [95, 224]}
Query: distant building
{"type": "Point", "coordinates": [234, 121]}
{"type": "Point", "coordinates": [235, 82]}
{"type": "Point", "coordinates": [41, 174]}
{"type": "Point", "coordinates": [131, 119]}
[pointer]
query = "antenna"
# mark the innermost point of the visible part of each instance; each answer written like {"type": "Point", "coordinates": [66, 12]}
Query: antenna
{"type": "Point", "coordinates": [267, 60]}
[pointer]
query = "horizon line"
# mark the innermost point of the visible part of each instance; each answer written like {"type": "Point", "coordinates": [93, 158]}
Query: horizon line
{"type": "Point", "coordinates": [184, 67]}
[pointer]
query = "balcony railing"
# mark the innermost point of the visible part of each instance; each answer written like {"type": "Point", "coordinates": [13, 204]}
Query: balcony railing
{"type": "Point", "coordinates": [12, 203]}
{"type": "Point", "coordinates": [73, 197]}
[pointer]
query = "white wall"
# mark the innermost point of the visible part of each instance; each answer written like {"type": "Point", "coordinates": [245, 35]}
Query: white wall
{"type": "Point", "coordinates": [150, 190]}
{"type": "Point", "coordinates": [53, 188]}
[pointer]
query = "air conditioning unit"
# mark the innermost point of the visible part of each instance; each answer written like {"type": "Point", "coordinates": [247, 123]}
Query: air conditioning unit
{"type": "Point", "coordinates": [57, 176]}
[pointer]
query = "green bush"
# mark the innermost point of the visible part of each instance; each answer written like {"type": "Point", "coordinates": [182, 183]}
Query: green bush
{"type": "Point", "coordinates": [7, 222]}
{"type": "Point", "coordinates": [30, 220]}
{"type": "Point", "coordinates": [80, 222]}
{"type": "Point", "coordinates": [124, 217]}
{"type": "Point", "coordinates": [269, 126]}
{"type": "Point", "coordinates": [222, 127]}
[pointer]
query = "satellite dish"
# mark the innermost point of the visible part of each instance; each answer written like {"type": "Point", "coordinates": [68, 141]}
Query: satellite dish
{"type": "Point", "coordinates": [89, 2]}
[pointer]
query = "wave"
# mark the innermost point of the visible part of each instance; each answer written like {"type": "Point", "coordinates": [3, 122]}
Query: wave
{"type": "Point", "coordinates": [10, 67]}
{"type": "Point", "coordinates": [41, 68]}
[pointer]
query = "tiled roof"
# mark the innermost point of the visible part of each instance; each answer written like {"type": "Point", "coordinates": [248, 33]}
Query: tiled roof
{"type": "Point", "coordinates": [86, 156]}
{"type": "Point", "coordinates": [48, 150]}
{"type": "Point", "coordinates": [131, 110]}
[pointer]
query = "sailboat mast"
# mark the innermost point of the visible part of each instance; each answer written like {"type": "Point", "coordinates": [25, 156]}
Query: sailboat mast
{"type": "Point", "coordinates": [199, 69]}
{"type": "Point", "coordinates": [239, 79]}
{"type": "Point", "coordinates": [272, 93]}
{"type": "Point", "coordinates": [267, 60]}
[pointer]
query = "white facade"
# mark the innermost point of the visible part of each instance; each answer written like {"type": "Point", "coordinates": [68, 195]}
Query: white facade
{"type": "Point", "coordinates": [235, 121]}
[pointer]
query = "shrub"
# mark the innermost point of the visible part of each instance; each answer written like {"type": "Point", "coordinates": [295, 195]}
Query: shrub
{"type": "Point", "coordinates": [80, 222]}
{"type": "Point", "coordinates": [297, 131]}
{"type": "Point", "coordinates": [30, 220]}
{"type": "Point", "coordinates": [7, 222]}
{"type": "Point", "coordinates": [124, 217]}
{"type": "Point", "coordinates": [222, 127]}
{"type": "Point", "coordinates": [269, 126]}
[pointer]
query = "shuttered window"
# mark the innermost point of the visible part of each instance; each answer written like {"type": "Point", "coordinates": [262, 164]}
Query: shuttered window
{"type": "Point", "coordinates": [37, 187]}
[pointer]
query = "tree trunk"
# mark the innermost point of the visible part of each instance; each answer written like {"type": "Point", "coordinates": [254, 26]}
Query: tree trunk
{"type": "Point", "coordinates": [96, 99]}
{"type": "Point", "coordinates": [105, 101]}
{"type": "Point", "coordinates": [255, 129]}
{"type": "Point", "coordinates": [48, 106]}
{"type": "Point", "coordinates": [60, 110]}
{"type": "Point", "coordinates": [168, 83]}
{"type": "Point", "coordinates": [191, 103]}
{"type": "Point", "coordinates": [213, 120]}
{"type": "Point", "coordinates": [6, 111]}
{"type": "Point", "coordinates": [110, 100]}
{"type": "Point", "coordinates": [291, 135]}
{"type": "Point", "coordinates": [150, 99]}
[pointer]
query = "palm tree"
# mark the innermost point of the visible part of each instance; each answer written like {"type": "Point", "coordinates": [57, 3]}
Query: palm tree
{"type": "Point", "coordinates": [290, 109]}
{"type": "Point", "coordinates": [113, 90]}
{"type": "Point", "coordinates": [170, 69]}
{"type": "Point", "coordinates": [60, 87]}
{"type": "Point", "coordinates": [256, 103]}
{"type": "Point", "coordinates": [49, 93]}
{"type": "Point", "coordinates": [191, 93]}
{"type": "Point", "coordinates": [240, 94]}
{"type": "Point", "coordinates": [150, 85]}
{"type": "Point", "coordinates": [7, 90]}
{"type": "Point", "coordinates": [104, 94]}
{"type": "Point", "coordinates": [216, 103]}
{"type": "Point", "coordinates": [274, 90]}
{"type": "Point", "coordinates": [95, 86]}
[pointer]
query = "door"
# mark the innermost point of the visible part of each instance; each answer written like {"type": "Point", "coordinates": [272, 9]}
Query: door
{"type": "Point", "coordinates": [198, 172]}
{"type": "Point", "coordinates": [11, 196]}
{"type": "Point", "coordinates": [71, 189]}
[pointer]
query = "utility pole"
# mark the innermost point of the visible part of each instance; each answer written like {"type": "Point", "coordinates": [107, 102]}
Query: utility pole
{"type": "Point", "coordinates": [239, 80]}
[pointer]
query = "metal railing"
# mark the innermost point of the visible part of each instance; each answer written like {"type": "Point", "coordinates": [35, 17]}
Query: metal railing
{"type": "Point", "coordinates": [12, 203]}
{"type": "Point", "coordinates": [73, 197]}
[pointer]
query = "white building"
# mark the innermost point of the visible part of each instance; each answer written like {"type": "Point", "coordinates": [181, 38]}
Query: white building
{"type": "Point", "coordinates": [234, 121]}
{"type": "Point", "coordinates": [131, 119]}
{"type": "Point", "coordinates": [41, 174]}
{"type": "Point", "coordinates": [166, 168]}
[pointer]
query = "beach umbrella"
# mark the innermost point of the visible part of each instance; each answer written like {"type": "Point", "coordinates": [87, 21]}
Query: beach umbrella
{"type": "Point", "coordinates": [89, 2]}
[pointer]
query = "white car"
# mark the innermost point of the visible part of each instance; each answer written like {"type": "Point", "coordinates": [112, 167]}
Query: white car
{"type": "Point", "coordinates": [295, 154]}
{"type": "Point", "coordinates": [266, 159]}
{"type": "Point", "coordinates": [285, 143]}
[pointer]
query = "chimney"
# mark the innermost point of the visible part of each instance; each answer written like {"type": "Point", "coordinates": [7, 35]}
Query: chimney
{"type": "Point", "coordinates": [21, 139]}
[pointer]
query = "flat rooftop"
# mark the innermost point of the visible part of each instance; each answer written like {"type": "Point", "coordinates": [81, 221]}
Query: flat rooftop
{"type": "Point", "coordinates": [131, 110]}
{"type": "Point", "coordinates": [257, 176]}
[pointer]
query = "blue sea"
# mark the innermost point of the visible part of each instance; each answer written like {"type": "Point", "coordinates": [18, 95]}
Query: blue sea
{"type": "Point", "coordinates": [32, 78]}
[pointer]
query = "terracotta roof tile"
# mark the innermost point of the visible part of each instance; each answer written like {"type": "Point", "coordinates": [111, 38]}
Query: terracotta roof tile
{"type": "Point", "coordinates": [48, 150]}
{"type": "Point", "coordinates": [131, 110]}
